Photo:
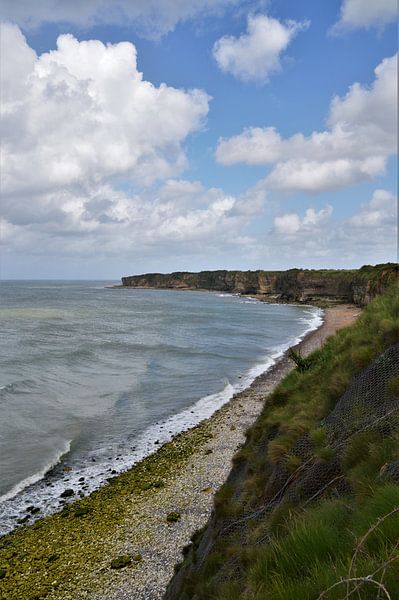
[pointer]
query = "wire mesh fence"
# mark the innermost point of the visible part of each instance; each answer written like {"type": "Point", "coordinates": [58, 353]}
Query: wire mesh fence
{"type": "Point", "coordinates": [369, 404]}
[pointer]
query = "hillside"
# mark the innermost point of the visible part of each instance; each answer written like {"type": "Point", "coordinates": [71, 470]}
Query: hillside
{"type": "Point", "coordinates": [296, 285]}
{"type": "Point", "coordinates": [311, 507]}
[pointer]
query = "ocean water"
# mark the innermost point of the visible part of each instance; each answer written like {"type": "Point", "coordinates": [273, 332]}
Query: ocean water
{"type": "Point", "coordinates": [92, 379]}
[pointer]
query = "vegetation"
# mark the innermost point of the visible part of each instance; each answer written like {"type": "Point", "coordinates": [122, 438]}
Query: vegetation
{"type": "Point", "coordinates": [342, 541]}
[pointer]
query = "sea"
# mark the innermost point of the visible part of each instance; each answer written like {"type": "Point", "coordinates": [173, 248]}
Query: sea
{"type": "Point", "coordinates": [94, 378]}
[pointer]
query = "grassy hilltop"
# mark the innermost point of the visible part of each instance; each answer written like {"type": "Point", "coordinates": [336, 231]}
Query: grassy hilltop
{"type": "Point", "coordinates": [313, 496]}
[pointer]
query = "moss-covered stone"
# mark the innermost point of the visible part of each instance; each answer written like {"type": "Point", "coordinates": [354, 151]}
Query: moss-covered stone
{"type": "Point", "coordinates": [173, 517]}
{"type": "Point", "coordinates": [23, 520]}
{"type": "Point", "coordinates": [137, 558]}
{"type": "Point", "coordinates": [121, 561]}
{"type": "Point", "coordinates": [53, 557]}
{"type": "Point", "coordinates": [81, 511]}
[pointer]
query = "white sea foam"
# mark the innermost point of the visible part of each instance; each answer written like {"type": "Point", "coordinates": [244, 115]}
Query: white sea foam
{"type": "Point", "coordinates": [32, 479]}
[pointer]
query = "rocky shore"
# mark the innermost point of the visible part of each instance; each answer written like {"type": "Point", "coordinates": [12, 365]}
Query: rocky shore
{"type": "Point", "coordinates": [124, 540]}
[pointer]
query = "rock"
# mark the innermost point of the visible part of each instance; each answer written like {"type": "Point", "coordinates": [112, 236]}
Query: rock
{"type": "Point", "coordinates": [23, 520]}
{"type": "Point", "coordinates": [173, 517]}
{"type": "Point", "coordinates": [53, 557]}
{"type": "Point", "coordinates": [81, 478]}
{"type": "Point", "coordinates": [67, 493]}
{"type": "Point", "coordinates": [29, 508]}
{"type": "Point", "coordinates": [158, 484]}
{"type": "Point", "coordinates": [121, 561]}
{"type": "Point", "coordinates": [80, 511]}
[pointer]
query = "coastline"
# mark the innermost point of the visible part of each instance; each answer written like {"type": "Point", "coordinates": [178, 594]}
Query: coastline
{"type": "Point", "coordinates": [127, 516]}
{"type": "Point", "coordinates": [267, 298]}
{"type": "Point", "coordinates": [43, 490]}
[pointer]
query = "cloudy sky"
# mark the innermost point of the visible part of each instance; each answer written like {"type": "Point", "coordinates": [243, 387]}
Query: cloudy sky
{"type": "Point", "coordinates": [159, 135]}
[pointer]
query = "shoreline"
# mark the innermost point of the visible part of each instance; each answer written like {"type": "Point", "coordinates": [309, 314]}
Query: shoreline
{"type": "Point", "coordinates": [322, 302]}
{"type": "Point", "coordinates": [43, 490]}
{"type": "Point", "coordinates": [127, 516]}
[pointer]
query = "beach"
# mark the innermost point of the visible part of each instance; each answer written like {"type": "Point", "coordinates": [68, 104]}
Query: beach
{"type": "Point", "coordinates": [68, 555]}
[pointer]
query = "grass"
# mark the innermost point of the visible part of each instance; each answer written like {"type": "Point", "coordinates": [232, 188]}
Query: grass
{"type": "Point", "coordinates": [319, 547]}
{"type": "Point", "coordinates": [298, 550]}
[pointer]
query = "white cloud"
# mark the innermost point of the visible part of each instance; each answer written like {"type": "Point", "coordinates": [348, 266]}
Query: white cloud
{"type": "Point", "coordinates": [368, 236]}
{"type": "Point", "coordinates": [81, 128]}
{"type": "Point", "coordinates": [84, 112]}
{"type": "Point", "coordinates": [256, 54]}
{"type": "Point", "coordinates": [152, 18]}
{"type": "Point", "coordinates": [86, 220]}
{"type": "Point", "coordinates": [366, 14]}
{"type": "Point", "coordinates": [355, 147]}
{"type": "Point", "coordinates": [292, 223]}
{"type": "Point", "coordinates": [379, 213]}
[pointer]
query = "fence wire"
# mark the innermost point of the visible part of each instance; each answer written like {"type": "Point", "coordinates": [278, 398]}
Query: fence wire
{"type": "Point", "coordinates": [368, 404]}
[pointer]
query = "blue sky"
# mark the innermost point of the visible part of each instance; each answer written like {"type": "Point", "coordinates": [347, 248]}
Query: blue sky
{"type": "Point", "coordinates": [106, 173]}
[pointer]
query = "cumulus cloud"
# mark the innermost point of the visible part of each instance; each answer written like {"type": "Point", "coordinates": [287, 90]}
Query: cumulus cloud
{"type": "Point", "coordinates": [256, 54]}
{"type": "Point", "coordinates": [91, 155]}
{"type": "Point", "coordinates": [292, 223]}
{"type": "Point", "coordinates": [152, 18]}
{"type": "Point", "coordinates": [87, 220]}
{"type": "Point", "coordinates": [83, 112]}
{"type": "Point", "coordinates": [368, 236]}
{"type": "Point", "coordinates": [365, 14]}
{"type": "Point", "coordinates": [379, 214]}
{"type": "Point", "coordinates": [361, 135]}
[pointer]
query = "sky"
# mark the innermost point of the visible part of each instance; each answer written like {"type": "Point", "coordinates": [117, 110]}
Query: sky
{"type": "Point", "coordinates": [166, 135]}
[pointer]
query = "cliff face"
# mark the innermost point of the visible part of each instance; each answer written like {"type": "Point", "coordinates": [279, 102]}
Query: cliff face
{"type": "Point", "coordinates": [296, 285]}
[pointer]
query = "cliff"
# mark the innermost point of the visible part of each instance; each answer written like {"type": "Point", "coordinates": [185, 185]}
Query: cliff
{"type": "Point", "coordinates": [295, 285]}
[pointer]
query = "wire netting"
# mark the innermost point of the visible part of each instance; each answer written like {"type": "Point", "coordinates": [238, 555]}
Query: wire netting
{"type": "Point", "coordinates": [369, 404]}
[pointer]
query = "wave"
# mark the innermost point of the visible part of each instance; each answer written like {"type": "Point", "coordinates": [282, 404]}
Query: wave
{"type": "Point", "coordinates": [32, 479]}
{"type": "Point", "coordinates": [24, 386]}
